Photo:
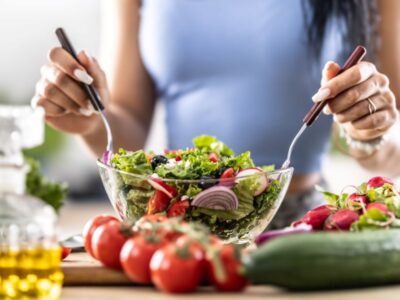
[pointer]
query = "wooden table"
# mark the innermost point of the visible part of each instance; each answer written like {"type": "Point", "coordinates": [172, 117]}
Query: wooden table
{"type": "Point", "coordinates": [252, 293]}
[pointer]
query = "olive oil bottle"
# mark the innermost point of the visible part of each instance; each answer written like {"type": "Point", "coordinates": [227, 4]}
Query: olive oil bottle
{"type": "Point", "coordinates": [30, 257]}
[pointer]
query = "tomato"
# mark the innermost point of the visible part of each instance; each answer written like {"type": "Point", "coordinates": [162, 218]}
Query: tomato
{"type": "Point", "coordinates": [65, 251]}
{"type": "Point", "coordinates": [213, 157]}
{"type": "Point", "coordinates": [151, 219]}
{"type": "Point", "coordinates": [178, 209]}
{"type": "Point", "coordinates": [136, 255]}
{"type": "Point", "coordinates": [158, 203]}
{"type": "Point", "coordinates": [90, 227]}
{"type": "Point", "coordinates": [177, 269]}
{"type": "Point", "coordinates": [228, 173]}
{"type": "Point", "coordinates": [107, 242]}
{"type": "Point", "coordinates": [234, 280]}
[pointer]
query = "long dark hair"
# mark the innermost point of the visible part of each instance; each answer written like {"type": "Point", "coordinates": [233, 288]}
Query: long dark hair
{"type": "Point", "coordinates": [359, 17]}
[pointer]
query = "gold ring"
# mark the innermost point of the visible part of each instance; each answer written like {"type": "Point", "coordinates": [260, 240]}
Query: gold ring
{"type": "Point", "coordinates": [371, 106]}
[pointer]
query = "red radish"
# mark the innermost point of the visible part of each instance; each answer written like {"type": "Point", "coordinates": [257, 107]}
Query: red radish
{"type": "Point", "coordinates": [272, 234]}
{"type": "Point", "coordinates": [217, 197]}
{"type": "Point", "coordinates": [317, 216]}
{"type": "Point", "coordinates": [378, 205]}
{"type": "Point", "coordinates": [160, 185]}
{"type": "Point", "coordinates": [213, 157]}
{"type": "Point", "coordinates": [341, 220]}
{"type": "Point", "coordinates": [359, 198]}
{"type": "Point", "coordinates": [178, 158]}
{"type": "Point", "coordinates": [262, 179]}
{"type": "Point", "coordinates": [378, 181]}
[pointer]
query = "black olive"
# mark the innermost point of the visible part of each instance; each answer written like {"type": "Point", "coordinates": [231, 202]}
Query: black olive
{"type": "Point", "coordinates": [205, 182]}
{"type": "Point", "coordinates": [221, 171]}
{"type": "Point", "coordinates": [157, 160]}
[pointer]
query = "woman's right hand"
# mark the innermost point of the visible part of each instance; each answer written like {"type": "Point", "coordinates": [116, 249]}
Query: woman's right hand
{"type": "Point", "coordinates": [59, 92]}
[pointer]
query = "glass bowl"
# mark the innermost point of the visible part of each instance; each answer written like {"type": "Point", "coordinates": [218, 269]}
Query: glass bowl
{"type": "Point", "coordinates": [130, 195]}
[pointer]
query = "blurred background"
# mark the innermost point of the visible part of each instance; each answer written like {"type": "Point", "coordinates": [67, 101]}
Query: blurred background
{"type": "Point", "coordinates": [27, 33]}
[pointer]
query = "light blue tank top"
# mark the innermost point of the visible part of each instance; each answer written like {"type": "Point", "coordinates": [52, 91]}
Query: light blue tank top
{"type": "Point", "coordinates": [239, 70]}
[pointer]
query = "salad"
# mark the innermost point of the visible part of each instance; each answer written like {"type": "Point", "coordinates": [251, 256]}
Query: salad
{"type": "Point", "coordinates": [207, 183]}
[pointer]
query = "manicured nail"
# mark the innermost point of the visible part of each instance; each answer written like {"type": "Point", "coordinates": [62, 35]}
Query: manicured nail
{"type": "Point", "coordinates": [83, 76]}
{"type": "Point", "coordinates": [326, 110]}
{"type": "Point", "coordinates": [34, 101]}
{"type": "Point", "coordinates": [321, 95]}
{"type": "Point", "coordinates": [86, 112]}
{"type": "Point", "coordinates": [87, 54]}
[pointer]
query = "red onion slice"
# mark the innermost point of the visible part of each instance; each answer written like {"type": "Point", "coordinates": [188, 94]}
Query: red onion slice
{"type": "Point", "coordinates": [218, 198]}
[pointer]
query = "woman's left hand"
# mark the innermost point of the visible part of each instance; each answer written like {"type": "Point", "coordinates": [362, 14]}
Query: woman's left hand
{"type": "Point", "coordinates": [360, 99]}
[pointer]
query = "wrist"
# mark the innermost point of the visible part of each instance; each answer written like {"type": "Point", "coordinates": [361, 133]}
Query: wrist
{"type": "Point", "coordinates": [360, 148]}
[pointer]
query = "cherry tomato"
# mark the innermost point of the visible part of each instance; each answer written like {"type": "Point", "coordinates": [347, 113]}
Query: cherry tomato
{"type": "Point", "coordinates": [158, 203]}
{"type": "Point", "coordinates": [228, 173]}
{"type": "Point", "coordinates": [90, 227]}
{"type": "Point", "coordinates": [177, 269]}
{"type": "Point", "coordinates": [136, 255]}
{"type": "Point", "coordinates": [65, 251]}
{"type": "Point", "coordinates": [151, 219]}
{"type": "Point", "coordinates": [234, 280]}
{"type": "Point", "coordinates": [213, 157]}
{"type": "Point", "coordinates": [178, 209]}
{"type": "Point", "coordinates": [107, 242]}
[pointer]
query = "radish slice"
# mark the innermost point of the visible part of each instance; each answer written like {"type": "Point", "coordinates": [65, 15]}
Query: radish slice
{"type": "Point", "coordinates": [160, 185]}
{"type": "Point", "coordinates": [263, 182]}
{"type": "Point", "coordinates": [217, 197]}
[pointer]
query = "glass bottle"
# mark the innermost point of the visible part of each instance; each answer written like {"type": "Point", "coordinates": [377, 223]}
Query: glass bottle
{"type": "Point", "coordinates": [30, 256]}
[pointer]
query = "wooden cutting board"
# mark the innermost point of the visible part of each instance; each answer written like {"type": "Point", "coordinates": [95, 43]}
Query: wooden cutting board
{"type": "Point", "coordinates": [82, 270]}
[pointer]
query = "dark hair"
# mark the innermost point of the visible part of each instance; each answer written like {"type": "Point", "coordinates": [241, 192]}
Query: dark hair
{"type": "Point", "coordinates": [360, 18]}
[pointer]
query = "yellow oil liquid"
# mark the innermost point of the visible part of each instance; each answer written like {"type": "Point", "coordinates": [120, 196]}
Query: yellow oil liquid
{"type": "Point", "coordinates": [31, 274]}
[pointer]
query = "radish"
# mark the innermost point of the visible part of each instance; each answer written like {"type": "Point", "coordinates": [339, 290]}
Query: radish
{"type": "Point", "coordinates": [341, 220]}
{"type": "Point", "coordinates": [160, 185]}
{"type": "Point", "coordinates": [217, 197]}
{"type": "Point", "coordinates": [272, 234]}
{"type": "Point", "coordinates": [378, 181]}
{"type": "Point", "coordinates": [317, 216]}
{"type": "Point", "coordinates": [263, 182]}
{"type": "Point", "coordinates": [378, 205]}
{"type": "Point", "coordinates": [359, 198]}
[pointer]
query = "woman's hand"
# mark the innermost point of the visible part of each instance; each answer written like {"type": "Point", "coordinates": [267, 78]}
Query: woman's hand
{"type": "Point", "coordinates": [58, 91]}
{"type": "Point", "coordinates": [360, 99]}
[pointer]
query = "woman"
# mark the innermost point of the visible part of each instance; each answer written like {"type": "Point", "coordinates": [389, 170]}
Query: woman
{"type": "Point", "coordinates": [241, 72]}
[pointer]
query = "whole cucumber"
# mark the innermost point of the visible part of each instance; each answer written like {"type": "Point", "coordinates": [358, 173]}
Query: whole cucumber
{"type": "Point", "coordinates": [327, 260]}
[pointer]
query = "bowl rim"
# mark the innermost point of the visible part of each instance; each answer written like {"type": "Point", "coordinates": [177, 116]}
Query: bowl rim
{"type": "Point", "coordinates": [278, 172]}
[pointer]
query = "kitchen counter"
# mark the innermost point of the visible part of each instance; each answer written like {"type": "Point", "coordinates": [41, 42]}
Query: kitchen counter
{"type": "Point", "coordinates": [252, 293]}
{"type": "Point", "coordinates": [75, 214]}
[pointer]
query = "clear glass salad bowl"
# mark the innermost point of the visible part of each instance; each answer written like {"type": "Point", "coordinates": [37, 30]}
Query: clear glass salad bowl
{"type": "Point", "coordinates": [130, 195]}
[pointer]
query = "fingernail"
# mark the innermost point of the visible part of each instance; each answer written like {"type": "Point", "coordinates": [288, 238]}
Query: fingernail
{"type": "Point", "coordinates": [34, 101]}
{"type": "Point", "coordinates": [86, 112]}
{"type": "Point", "coordinates": [321, 95]}
{"type": "Point", "coordinates": [326, 110]}
{"type": "Point", "coordinates": [83, 76]}
{"type": "Point", "coordinates": [87, 54]}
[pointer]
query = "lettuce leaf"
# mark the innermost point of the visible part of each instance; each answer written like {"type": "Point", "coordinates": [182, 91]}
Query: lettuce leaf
{"type": "Point", "coordinates": [132, 162]}
{"type": "Point", "coordinates": [208, 144]}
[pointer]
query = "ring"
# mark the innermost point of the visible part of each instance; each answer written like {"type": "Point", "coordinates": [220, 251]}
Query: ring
{"type": "Point", "coordinates": [371, 106]}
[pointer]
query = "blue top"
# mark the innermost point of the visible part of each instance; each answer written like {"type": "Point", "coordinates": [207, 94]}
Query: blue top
{"type": "Point", "coordinates": [239, 70]}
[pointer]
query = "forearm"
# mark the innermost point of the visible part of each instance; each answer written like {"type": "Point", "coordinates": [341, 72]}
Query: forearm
{"type": "Point", "coordinates": [128, 132]}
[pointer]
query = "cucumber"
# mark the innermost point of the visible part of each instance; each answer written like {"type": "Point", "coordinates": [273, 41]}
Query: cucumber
{"type": "Point", "coordinates": [327, 260]}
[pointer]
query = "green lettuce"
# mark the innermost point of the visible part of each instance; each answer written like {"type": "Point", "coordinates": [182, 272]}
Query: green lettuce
{"type": "Point", "coordinates": [132, 162]}
{"type": "Point", "coordinates": [208, 144]}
